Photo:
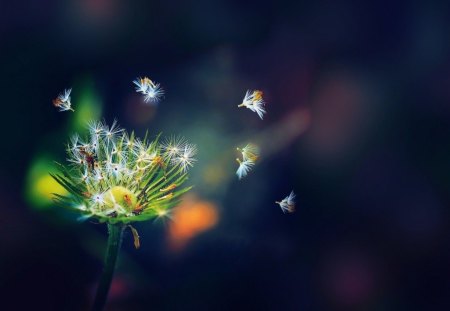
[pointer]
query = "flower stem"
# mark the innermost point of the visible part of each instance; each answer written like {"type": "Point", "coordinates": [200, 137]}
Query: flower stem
{"type": "Point", "coordinates": [115, 235]}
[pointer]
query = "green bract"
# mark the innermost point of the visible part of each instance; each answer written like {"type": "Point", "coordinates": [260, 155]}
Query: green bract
{"type": "Point", "coordinates": [115, 177]}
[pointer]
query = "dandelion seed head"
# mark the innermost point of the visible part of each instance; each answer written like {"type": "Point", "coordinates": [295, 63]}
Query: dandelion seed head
{"type": "Point", "coordinates": [114, 173]}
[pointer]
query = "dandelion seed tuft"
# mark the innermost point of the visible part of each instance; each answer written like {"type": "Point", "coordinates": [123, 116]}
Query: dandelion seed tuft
{"type": "Point", "coordinates": [62, 102]}
{"type": "Point", "coordinates": [288, 203]}
{"type": "Point", "coordinates": [254, 101]}
{"type": "Point", "coordinates": [250, 154]}
{"type": "Point", "coordinates": [185, 159]}
{"type": "Point", "coordinates": [173, 147]}
{"type": "Point", "coordinates": [244, 168]}
{"type": "Point", "coordinates": [152, 91]}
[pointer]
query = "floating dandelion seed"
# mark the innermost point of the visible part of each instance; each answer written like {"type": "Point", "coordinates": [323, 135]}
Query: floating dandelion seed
{"type": "Point", "coordinates": [253, 100]}
{"type": "Point", "coordinates": [62, 102]}
{"type": "Point", "coordinates": [244, 167]}
{"type": "Point", "coordinates": [110, 133]}
{"type": "Point", "coordinates": [249, 152]}
{"type": "Point", "coordinates": [120, 179]}
{"type": "Point", "coordinates": [152, 91]}
{"type": "Point", "coordinates": [288, 203]}
{"type": "Point", "coordinates": [185, 159]}
{"type": "Point", "coordinates": [173, 147]}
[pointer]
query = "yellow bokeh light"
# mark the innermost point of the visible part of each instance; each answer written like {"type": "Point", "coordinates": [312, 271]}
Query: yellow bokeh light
{"type": "Point", "coordinates": [45, 186]}
{"type": "Point", "coordinates": [40, 186]}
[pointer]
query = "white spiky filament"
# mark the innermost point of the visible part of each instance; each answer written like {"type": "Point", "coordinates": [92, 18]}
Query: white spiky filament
{"type": "Point", "coordinates": [152, 91]}
{"type": "Point", "coordinates": [185, 157]}
{"type": "Point", "coordinates": [62, 102]}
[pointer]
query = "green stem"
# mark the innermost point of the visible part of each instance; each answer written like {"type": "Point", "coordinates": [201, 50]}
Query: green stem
{"type": "Point", "coordinates": [115, 234]}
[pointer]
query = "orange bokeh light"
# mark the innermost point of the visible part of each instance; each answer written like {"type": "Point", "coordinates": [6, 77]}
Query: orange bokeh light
{"type": "Point", "coordinates": [192, 217]}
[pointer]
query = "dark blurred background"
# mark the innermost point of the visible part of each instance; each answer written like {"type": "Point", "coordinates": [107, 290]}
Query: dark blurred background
{"type": "Point", "coordinates": [358, 125]}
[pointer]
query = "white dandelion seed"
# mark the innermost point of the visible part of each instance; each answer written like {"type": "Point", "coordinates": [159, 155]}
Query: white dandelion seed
{"type": "Point", "coordinates": [154, 94]}
{"type": "Point", "coordinates": [110, 133]}
{"type": "Point", "coordinates": [173, 147]}
{"type": "Point", "coordinates": [253, 100]}
{"type": "Point", "coordinates": [73, 145]}
{"type": "Point", "coordinates": [152, 91]}
{"type": "Point", "coordinates": [62, 102]}
{"type": "Point", "coordinates": [118, 169]}
{"type": "Point", "coordinates": [128, 141]}
{"type": "Point", "coordinates": [141, 85]}
{"type": "Point", "coordinates": [288, 203]}
{"type": "Point", "coordinates": [98, 199]}
{"type": "Point", "coordinates": [186, 158]}
{"type": "Point", "coordinates": [258, 107]}
{"type": "Point", "coordinates": [244, 167]}
{"type": "Point", "coordinates": [249, 152]}
{"type": "Point", "coordinates": [142, 153]}
{"type": "Point", "coordinates": [96, 128]}
{"type": "Point", "coordinates": [137, 147]}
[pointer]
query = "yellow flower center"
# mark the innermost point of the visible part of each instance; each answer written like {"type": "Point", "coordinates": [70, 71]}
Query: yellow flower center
{"type": "Point", "coordinates": [121, 196]}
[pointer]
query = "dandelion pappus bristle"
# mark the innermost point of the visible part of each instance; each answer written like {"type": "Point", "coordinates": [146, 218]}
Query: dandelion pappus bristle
{"type": "Point", "coordinates": [62, 102]}
{"type": "Point", "coordinates": [244, 167]}
{"type": "Point", "coordinates": [152, 91]}
{"type": "Point", "coordinates": [185, 159]}
{"type": "Point", "coordinates": [288, 203]}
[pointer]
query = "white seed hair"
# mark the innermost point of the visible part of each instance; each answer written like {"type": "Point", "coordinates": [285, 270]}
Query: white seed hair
{"type": "Point", "coordinates": [288, 203]}
{"type": "Point", "coordinates": [152, 91]}
{"type": "Point", "coordinates": [244, 167]}
{"type": "Point", "coordinates": [253, 100]}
